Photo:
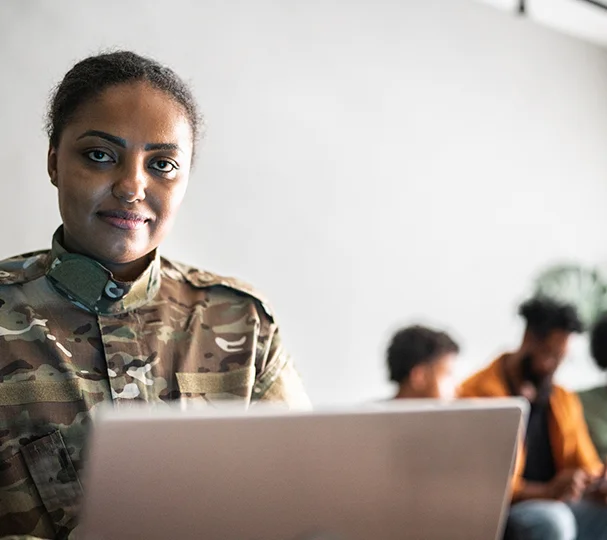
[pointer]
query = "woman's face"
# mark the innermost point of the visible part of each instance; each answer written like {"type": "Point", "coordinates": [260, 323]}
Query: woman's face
{"type": "Point", "coordinates": [121, 169]}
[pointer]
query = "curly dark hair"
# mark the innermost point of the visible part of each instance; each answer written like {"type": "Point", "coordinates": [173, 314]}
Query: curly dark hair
{"type": "Point", "coordinates": [598, 341]}
{"type": "Point", "coordinates": [416, 345]}
{"type": "Point", "coordinates": [544, 315]}
{"type": "Point", "coordinates": [91, 76]}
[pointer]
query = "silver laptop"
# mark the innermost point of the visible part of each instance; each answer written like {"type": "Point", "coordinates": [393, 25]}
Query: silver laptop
{"type": "Point", "coordinates": [417, 470]}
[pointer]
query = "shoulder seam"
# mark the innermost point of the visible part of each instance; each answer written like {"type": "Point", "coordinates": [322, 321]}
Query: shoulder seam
{"type": "Point", "coordinates": [201, 279]}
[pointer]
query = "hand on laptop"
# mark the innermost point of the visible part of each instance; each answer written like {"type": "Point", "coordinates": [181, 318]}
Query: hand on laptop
{"type": "Point", "coordinates": [569, 485]}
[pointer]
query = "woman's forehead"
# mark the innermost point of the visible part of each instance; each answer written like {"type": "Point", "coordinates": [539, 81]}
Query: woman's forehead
{"type": "Point", "coordinates": [136, 112]}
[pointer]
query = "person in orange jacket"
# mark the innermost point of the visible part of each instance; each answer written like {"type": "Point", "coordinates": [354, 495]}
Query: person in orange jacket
{"type": "Point", "coordinates": [559, 486]}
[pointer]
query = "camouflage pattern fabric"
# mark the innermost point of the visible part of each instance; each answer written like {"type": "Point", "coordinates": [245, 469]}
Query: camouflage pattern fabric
{"type": "Point", "coordinates": [72, 338]}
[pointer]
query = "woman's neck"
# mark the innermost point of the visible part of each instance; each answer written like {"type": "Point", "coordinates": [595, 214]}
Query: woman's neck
{"type": "Point", "coordinates": [128, 271]}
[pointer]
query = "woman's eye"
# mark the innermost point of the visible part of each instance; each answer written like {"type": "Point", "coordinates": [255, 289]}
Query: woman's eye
{"type": "Point", "coordinates": [99, 156]}
{"type": "Point", "coordinates": [163, 165]}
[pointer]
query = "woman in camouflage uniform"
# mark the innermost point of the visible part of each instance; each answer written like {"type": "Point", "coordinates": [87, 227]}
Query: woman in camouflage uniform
{"type": "Point", "coordinates": [101, 317]}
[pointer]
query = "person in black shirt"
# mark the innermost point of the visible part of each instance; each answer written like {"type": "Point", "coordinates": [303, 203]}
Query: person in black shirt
{"type": "Point", "coordinates": [553, 502]}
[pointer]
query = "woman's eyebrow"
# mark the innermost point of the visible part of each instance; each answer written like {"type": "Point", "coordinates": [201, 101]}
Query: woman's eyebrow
{"type": "Point", "coordinates": [122, 142]}
{"type": "Point", "coordinates": [162, 146]}
{"type": "Point", "coordinates": [103, 135]}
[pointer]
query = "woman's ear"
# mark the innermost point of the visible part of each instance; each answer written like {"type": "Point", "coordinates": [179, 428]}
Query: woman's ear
{"type": "Point", "coordinates": [51, 164]}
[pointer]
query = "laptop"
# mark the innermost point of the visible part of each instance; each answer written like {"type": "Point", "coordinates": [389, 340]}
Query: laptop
{"type": "Point", "coordinates": [419, 470]}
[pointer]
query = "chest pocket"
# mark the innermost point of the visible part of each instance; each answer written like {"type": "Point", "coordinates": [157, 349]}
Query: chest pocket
{"type": "Point", "coordinates": [214, 388]}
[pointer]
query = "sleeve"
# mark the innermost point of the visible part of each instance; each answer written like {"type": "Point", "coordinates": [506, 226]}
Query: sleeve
{"type": "Point", "coordinates": [277, 379]}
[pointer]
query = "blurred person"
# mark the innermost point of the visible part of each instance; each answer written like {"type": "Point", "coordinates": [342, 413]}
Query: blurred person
{"type": "Point", "coordinates": [594, 400]}
{"type": "Point", "coordinates": [101, 317]}
{"type": "Point", "coordinates": [421, 361]}
{"type": "Point", "coordinates": [558, 487]}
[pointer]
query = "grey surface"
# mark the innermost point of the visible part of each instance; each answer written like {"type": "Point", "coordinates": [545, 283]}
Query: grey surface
{"type": "Point", "coordinates": [415, 470]}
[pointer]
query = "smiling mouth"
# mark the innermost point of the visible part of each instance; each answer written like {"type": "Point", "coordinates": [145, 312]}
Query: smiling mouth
{"type": "Point", "coordinates": [122, 219]}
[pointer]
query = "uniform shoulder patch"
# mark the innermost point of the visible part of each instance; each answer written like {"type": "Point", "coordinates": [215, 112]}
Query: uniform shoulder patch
{"type": "Point", "coordinates": [23, 268]}
{"type": "Point", "coordinates": [202, 279]}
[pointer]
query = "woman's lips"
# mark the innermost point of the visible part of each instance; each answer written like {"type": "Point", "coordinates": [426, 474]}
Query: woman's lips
{"type": "Point", "coordinates": [122, 219]}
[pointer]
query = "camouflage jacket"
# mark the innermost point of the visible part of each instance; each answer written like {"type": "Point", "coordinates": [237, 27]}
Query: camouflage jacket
{"type": "Point", "coordinates": [72, 338]}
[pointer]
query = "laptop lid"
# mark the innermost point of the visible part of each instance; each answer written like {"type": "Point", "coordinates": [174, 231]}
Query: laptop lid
{"type": "Point", "coordinates": [409, 469]}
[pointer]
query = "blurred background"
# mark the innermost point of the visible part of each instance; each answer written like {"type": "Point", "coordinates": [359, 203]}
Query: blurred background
{"type": "Point", "coordinates": [367, 163]}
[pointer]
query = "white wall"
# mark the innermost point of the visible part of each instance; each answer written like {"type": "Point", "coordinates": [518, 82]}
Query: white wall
{"type": "Point", "coordinates": [577, 18]}
{"type": "Point", "coordinates": [368, 163]}
{"type": "Point", "coordinates": [574, 17]}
